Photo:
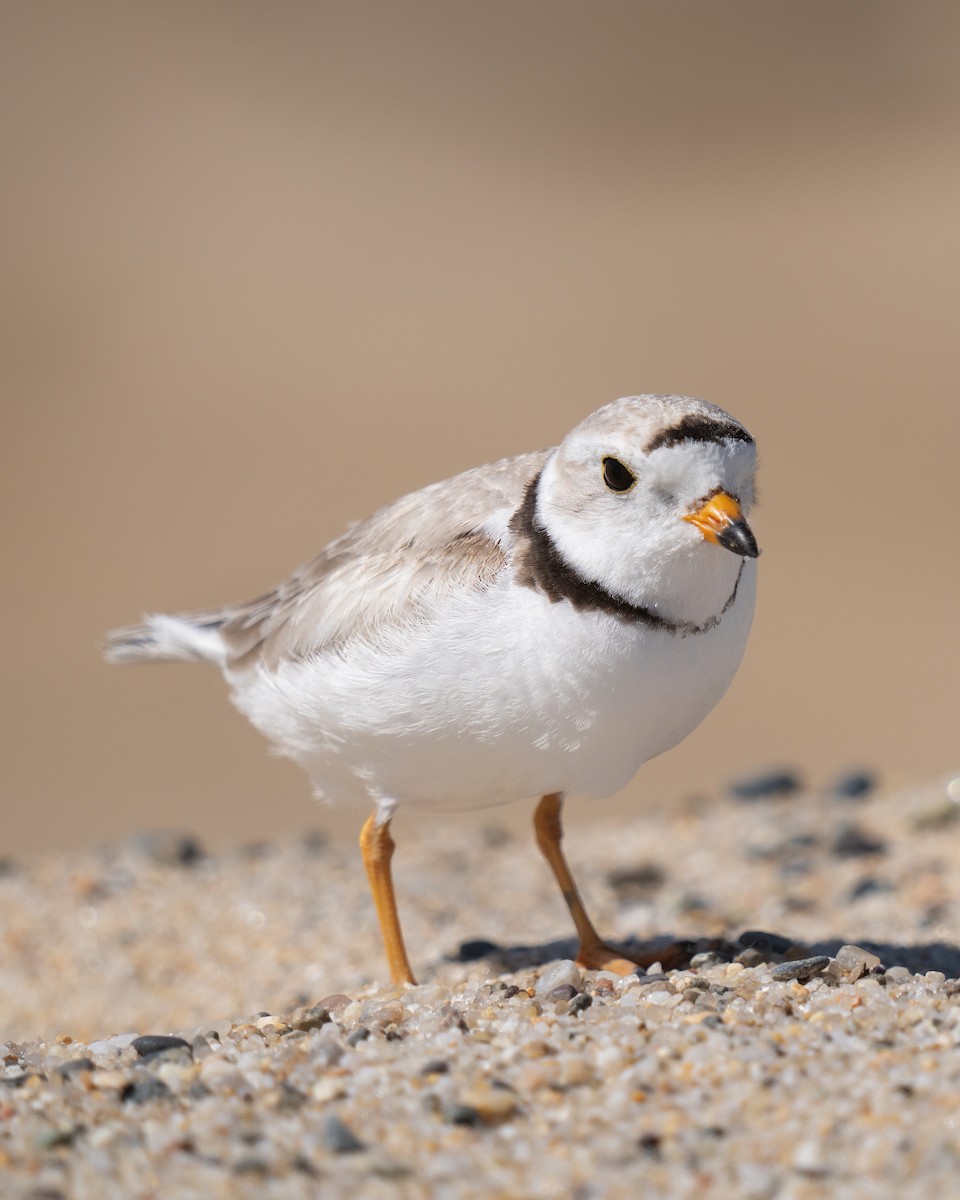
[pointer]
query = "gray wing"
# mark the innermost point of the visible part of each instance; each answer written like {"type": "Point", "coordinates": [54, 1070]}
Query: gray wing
{"type": "Point", "coordinates": [385, 570]}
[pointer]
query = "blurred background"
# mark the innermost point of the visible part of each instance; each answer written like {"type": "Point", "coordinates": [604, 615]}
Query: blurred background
{"type": "Point", "coordinates": [266, 267]}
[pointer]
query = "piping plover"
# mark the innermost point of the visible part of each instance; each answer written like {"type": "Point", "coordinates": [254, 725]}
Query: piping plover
{"type": "Point", "coordinates": [536, 627]}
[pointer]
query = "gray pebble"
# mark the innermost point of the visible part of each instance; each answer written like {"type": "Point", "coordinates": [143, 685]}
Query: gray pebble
{"type": "Point", "coordinates": [870, 885]}
{"type": "Point", "coordinates": [853, 785]}
{"type": "Point", "coordinates": [359, 1035]}
{"type": "Point", "coordinates": [766, 785]}
{"type": "Point", "coordinates": [339, 1138]}
{"type": "Point", "coordinates": [801, 970]}
{"type": "Point", "coordinates": [154, 1043]}
{"type": "Point", "coordinates": [78, 1064]}
{"type": "Point", "coordinates": [563, 993]}
{"type": "Point", "coordinates": [146, 1089]}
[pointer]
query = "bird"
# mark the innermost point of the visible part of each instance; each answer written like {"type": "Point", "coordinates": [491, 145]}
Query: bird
{"type": "Point", "coordinates": [531, 629]}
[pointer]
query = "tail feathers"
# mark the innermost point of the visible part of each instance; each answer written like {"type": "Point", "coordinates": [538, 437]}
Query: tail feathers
{"type": "Point", "coordinates": [168, 639]}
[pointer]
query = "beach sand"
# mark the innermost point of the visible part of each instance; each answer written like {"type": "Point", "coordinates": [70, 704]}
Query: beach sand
{"type": "Point", "coordinates": [812, 1047]}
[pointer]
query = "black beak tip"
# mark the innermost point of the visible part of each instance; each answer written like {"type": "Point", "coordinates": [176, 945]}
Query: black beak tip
{"type": "Point", "coordinates": [738, 537]}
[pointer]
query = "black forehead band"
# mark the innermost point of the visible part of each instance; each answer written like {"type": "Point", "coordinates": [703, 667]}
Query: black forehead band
{"type": "Point", "coordinates": [697, 428]}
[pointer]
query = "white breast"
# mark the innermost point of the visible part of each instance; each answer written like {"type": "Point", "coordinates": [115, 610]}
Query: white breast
{"type": "Point", "coordinates": [501, 696]}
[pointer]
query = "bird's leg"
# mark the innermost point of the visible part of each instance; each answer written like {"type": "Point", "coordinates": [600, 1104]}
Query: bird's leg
{"type": "Point", "coordinates": [593, 951]}
{"type": "Point", "coordinates": [377, 846]}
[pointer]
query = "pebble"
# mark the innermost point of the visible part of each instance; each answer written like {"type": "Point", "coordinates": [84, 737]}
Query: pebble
{"type": "Point", "coordinates": [801, 970]}
{"type": "Point", "coordinates": [766, 785]}
{"type": "Point", "coordinates": [853, 785]}
{"type": "Point", "coordinates": [306, 1019]}
{"type": "Point", "coordinates": [339, 1138]}
{"type": "Point", "coordinates": [562, 994]}
{"type": "Point", "coordinates": [142, 1091]}
{"type": "Point", "coordinates": [850, 841]}
{"type": "Point", "coordinates": [559, 974]}
{"type": "Point", "coordinates": [170, 847]}
{"type": "Point", "coordinates": [856, 961]}
{"type": "Point", "coordinates": [490, 1104]}
{"type": "Point", "coordinates": [76, 1066]}
{"type": "Point", "coordinates": [156, 1043]}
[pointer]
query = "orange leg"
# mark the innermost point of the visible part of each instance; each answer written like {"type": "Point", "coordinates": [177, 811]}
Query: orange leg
{"type": "Point", "coordinates": [377, 846]}
{"type": "Point", "coordinates": [593, 952]}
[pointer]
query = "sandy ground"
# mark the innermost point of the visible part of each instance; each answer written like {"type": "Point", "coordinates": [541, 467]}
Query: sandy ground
{"type": "Point", "coordinates": [774, 1065]}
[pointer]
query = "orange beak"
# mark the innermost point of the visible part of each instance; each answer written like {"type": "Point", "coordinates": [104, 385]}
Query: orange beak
{"type": "Point", "coordinates": [721, 520]}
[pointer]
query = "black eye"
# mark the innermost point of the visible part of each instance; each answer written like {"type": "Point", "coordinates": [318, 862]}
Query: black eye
{"type": "Point", "coordinates": [616, 476]}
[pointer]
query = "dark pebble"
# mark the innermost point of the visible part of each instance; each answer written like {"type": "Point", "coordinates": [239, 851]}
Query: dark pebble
{"type": "Point", "coordinates": [170, 848]}
{"type": "Point", "coordinates": [801, 970]}
{"type": "Point", "coordinates": [649, 1144]}
{"type": "Point", "coordinates": [153, 1043]}
{"type": "Point", "coordinates": [359, 1035]}
{"type": "Point", "coordinates": [851, 841]}
{"type": "Point", "coordinates": [16, 1081]}
{"type": "Point", "coordinates": [301, 1163]}
{"type": "Point", "coordinates": [579, 1003]}
{"type": "Point", "coordinates": [631, 884]}
{"type": "Point", "coordinates": [436, 1066]}
{"type": "Point", "coordinates": [511, 991]}
{"type": "Point", "coordinates": [79, 1064]}
{"type": "Point", "coordinates": [144, 1090]}
{"type": "Point", "coordinates": [649, 980]}
{"type": "Point", "coordinates": [751, 957]}
{"type": "Point", "coordinates": [339, 1138]}
{"type": "Point", "coordinates": [868, 886]}
{"type": "Point", "coordinates": [766, 943]}
{"type": "Point", "coordinates": [853, 785]}
{"type": "Point", "coordinates": [463, 1114]}
{"type": "Point", "coordinates": [766, 785]}
{"type": "Point", "coordinates": [476, 949]}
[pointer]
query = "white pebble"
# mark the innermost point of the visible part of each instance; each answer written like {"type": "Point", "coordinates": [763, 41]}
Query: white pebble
{"type": "Point", "coordinates": [557, 975]}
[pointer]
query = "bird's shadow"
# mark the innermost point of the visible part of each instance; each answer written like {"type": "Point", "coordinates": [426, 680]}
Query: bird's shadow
{"type": "Point", "coordinates": [917, 958]}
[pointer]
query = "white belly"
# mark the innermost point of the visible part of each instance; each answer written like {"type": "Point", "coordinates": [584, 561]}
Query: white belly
{"type": "Point", "coordinates": [501, 696]}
